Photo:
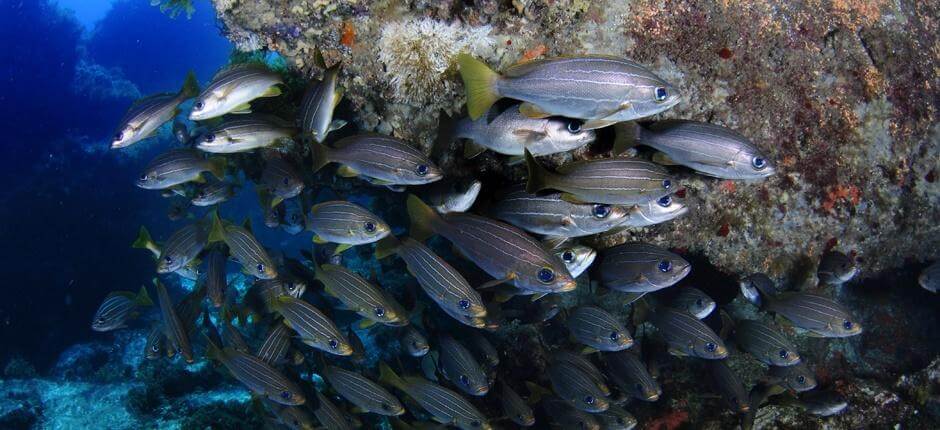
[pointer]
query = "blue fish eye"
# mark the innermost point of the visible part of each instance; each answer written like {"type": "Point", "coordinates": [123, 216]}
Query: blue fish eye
{"type": "Point", "coordinates": [574, 126]}
{"type": "Point", "coordinates": [614, 336]}
{"type": "Point", "coordinates": [379, 312]}
{"type": "Point", "coordinates": [589, 400]}
{"type": "Point", "coordinates": [783, 353]}
{"type": "Point", "coordinates": [661, 94]}
{"type": "Point", "coordinates": [285, 394]}
{"type": "Point", "coordinates": [710, 347]}
{"type": "Point", "coordinates": [198, 105]}
{"type": "Point", "coordinates": [664, 266]}
{"type": "Point", "coordinates": [667, 184]}
{"type": "Point", "coordinates": [422, 169]}
{"type": "Point", "coordinates": [847, 325]}
{"type": "Point", "coordinates": [168, 259]}
{"type": "Point", "coordinates": [568, 256]}
{"type": "Point", "coordinates": [260, 268]}
{"type": "Point", "coordinates": [546, 275]}
{"type": "Point", "coordinates": [370, 227]}
{"type": "Point", "coordinates": [333, 344]}
{"type": "Point", "coordinates": [665, 201]}
{"type": "Point", "coordinates": [601, 211]}
{"type": "Point", "coordinates": [210, 137]}
{"type": "Point", "coordinates": [758, 163]}
{"type": "Point", "coordinates": [464, 304]}
{"type": "Point", "coordinates": [464, 380]}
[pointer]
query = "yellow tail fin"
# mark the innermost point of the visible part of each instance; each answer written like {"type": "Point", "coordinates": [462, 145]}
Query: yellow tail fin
{"type": "Point", "coordinates": [480, 83]}
{"type": "Point", "coordinates": [190, 86]}
{"type": "Point", "coordinates": [422, 217]}
{"type": "Point", "coordinates": [320, 154]}
{"type": "Point", "coordinates": [217, 167]}
{"type": "Point", "coordinates": [389, 377]}
{"type": "Point", "coordinates": [537, 174]}
{"type": "Point", "coordinates": [143, 299]}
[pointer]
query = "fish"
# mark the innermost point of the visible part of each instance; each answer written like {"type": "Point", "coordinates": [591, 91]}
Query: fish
{"type": "Point", "coordinates": [441, 282]}
{"type": "Point", "coordinates": [584, 365]}
{"type": "Point", "coordinates": [501, 250]}
{"type": "Point", "coordinates": [576, 386]}
{"type": "Point", "coordinates": [637, 267]}
{"type": "Point", "coordinates": [182, 247]}
{"type": "Point", "coordinates": [514, 407]}
{"type": "Point", "coordinates": [190, 271]}
{"type": "Point", "coordinates": [117, 308]}
{"type": "Point", "coordinates": [451, 194]}
{"type": "Point", "coordinates": [836, 268]}
{"type": "Point", "coordinates": [360, 296]}
{"type": "Point", "coordinates": [820, 315]}
{"type": "Point", "coordinates": [598, 329]}
{"type": "Point", "coordinates": [754, 286]}
{"type": "Point", "coordinates": [458, 365]}
{"type": "Point", "coordinates": [213, 194]}
{"type": "Point", "coordinates": [330, 416]}
{"type": "Point", "coordinates": [550, 215]}
{"type": "Point", "coordinates": [687, 336]}
{"type": "Point", "coordinates": [276, 343]}
{"type": "Point", "coordinates": [564, 416]}
{"type": "Point", "coordinates": [823, 403]}
{"type": "Point", "coordinates": [729, 386]}
{"type": "Point", "coordinates": [233, 88]}
{"type": "Point", "coordinates": [316, 109]}
{"type": "Point", "coordinates": [257, 376]}
{"type": "Point", "coordinates": [282, 179]}
{"type": "Point", "coordinates": [446, 406]}
{"type": "Point", "coordinates": [710, 149]}
{"type": "Point", "coordinates": [765, 343]}
{"type": "Point", "coordinates": [798, 377]}
{"type": "Point", "coordinates": [243, 245]}
{"type": "Point", "coordinates": [484, 349]}
{"type": "Point", "coordinates": [313, 327]}
{"type": "Point", "coordinates": [693, 301]}
{"type": "Point", "coordinates": [178, 210]}
{"type": "Point", "coordinates": [613, 181]}
{"type": "Point", "coordinates": [263, 293]}
{"type": "Point", "coordinates": [929, 278]}
{"type": "Point", "coordinates": [294, 220]}
{"type": "Point", "coordinates": [345, 223]}
{"type": "Point", "coordinates": [231, 336]}
{"type": "Point", "coordinates": [387, 160]}
{"type": "Point", "coordinates": [413, 342]}
{"type": "Point", "coordinates": [215, 276]}
{"type": "Point", "coordinates": [245, 133]}
{"type": "Point", "coordinates": [600, 89]}
{"type": "Point", "coordinates": [653, 212]}
{"type": "Point", "coordinates": [629, 373]}
{"type": "Point", "coordinates": [293, 417]}
{"type": "Point", "coordinates": [616, 418]}
{"type": "Point", "coordinates": [173, 327]}
{"type": "Point", "coordinates": [181, 131]}
{"type": "Point", "coordinates": [144, 118]}
{"type": "Point", "coordinates": [509, 132]}
{"type": "Point", "coordinates": [155, 339]}
{"type": "Point", "coordinates": [363, 392]}
{"type": "Point", "coordinates": [178, 166]}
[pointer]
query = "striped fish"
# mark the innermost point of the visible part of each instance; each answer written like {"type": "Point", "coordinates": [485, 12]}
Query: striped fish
{"type": "Point", "coordinates": [361, 296]}
{"type": "Point", "coordinates": [117, 308]}
{"type": "Point", "coordinates": [146, 115]}
{"type": "Point", "coordinates": [549, 215]}
{"type": "Point", "coordinates": [444, 405]}
{"type": "Point", "coordinates": [414, 342]}
{"type": "Point", "coordinates": [613, 181]}
{"type": "Point", "coordinates": [460, 368]}
{"type": "Point", "coordinates": [637, 267]}
{"type": "Point", "coordinates": [598, 329]}
{"type": "Point", "coordinates": [232, 337]}
{"type": "Point", "coordinates": [509, 132]}
{"type": "Point", "coordinates": [501, 250]}
{"type": "Point", "coordinates": [440, 281]}
{"type": "Point", "coordinates": [584, 365]}
{"type": "Point", "coordinates": [798, 377]}
{"type": "Point", "coordinates": [629, 373]}
{"type": "Point", "coordinates": [258, 376]}
{"type": "Point", "coordinates": [215, 276]}
{"type": "Point", "coordinates": [484, 349]}
{"type": "Point", "coordinates": [154, 345]}
{"type": "Point", "coordinates": [385, 159]}
{"type": "Point", "coordinates": [178, 166]}
{"type": "Point", "coordinates": [657, 211]}
{"type": "Point", "coordinates": [213, 194]}
{"type": "Point", "coordinates": [173, 328]}
{"type": "Point", "coordinates": [362, 392]}
{"type": "Point", "coordinates": [314, 328]}
{"type": "Point", "coordinates": [275, 345]}
{"type": "Point", "coordinates": [729, 386]}
{"type": "Point", "coordinates": [616, 418]}
{"type": "Point", "coordinates": [316, 109]}
{"type": "Point", "coordinates": [563, 416]}
{"type": "Point", "coordinates": [182, 247]}
{"type": "Point", "coordinates": [346, 223]}
{"type": "Point", "coordinates": [293, 417]}
{"type": "Point", "coordinates": [232, 88]}
{"type": "Point", "coordinates": [686, 335]}
{"type": "Point", "coordinates": [331, 417]}
{"type": "Point", "coordinates": [758, 285]}
{"type": "Point", "coordinates": [244, 133]}
{"type": "Point", "coordinates": [823, 403]}
{"type": "Point", "coordinates": [281, 179]}
{"type": "Point", "coordinates": [246, 249]}
{"type": "Point", "coordinates": [693, 301]}
{"type": "Point", "coordinates": [817, 314]}
{"type": "Point", "coordinates": [765, 343]}
{"type": "Point", "coordinates": [294, 219]}
{"type": "Point", "coordinates": [452, 194]}
{"type": "Point", "coordinates": [261, 296]}
{"type": "Point", "coordinates": [576, 386]}
{"type": "Point", "coordinates": [514, 407]}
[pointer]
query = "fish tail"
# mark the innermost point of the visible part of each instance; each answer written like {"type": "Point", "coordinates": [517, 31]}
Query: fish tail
{"type": "Point", "coordinates": [423, 218]}
{"type": "Point", "coordinates": [143, 299]}
{"type": "Point", "coordinates": [537, 174]}
{"type": "Point", "coordinates": [480, 83]}
{"type": "Point", "coordinates": [386, 247]}
{"type": "Point", "coordinates": [212, 350]}
{"type": "Point", "coordinates": [143, 240]}
{"type": "Point", "coordinates": [217, 167]}
{"type": "Point", "coordinates": [626, 135]}
{"type": "Point", "coordinates": [217, 232]}
{"type": "Point", "coordinates": [190, 87]}
{"type": "Point", "coordinates": [389, 377]}
{"type": "Point", "coordinates": [320, 154]}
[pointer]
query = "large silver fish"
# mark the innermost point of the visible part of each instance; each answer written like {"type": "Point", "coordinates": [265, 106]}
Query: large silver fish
{"type": "Point", "coordinates": [383, 159]}
{"type": "Point", "coordinates": [346, 223]}
{"type": "Point", "coordinates": [510, 132]}
{"type": "Point", "coordinates": [243, 245]}
{"type": "Point", "coordinates": [694, 301]}
{"type": "Point", "coordinates": [577, 258]}
{"type": "Point", "coordinates": [316, 109]}
{"type": "Point", "coordinates": [440, 281]}
{"type": "Point", "coordinates": [638, 267]}
{"type": "Point", "coordinates": [146, 115]}
{"type": "Point", "coordinates": [550, 215]}
{"type": "Point", "coordinates": [281, 179]}
{"type": "Point", "coordinates": [244, 133]}
{"type": "Point", "coordinates": [576, 386]}
{"type": "Point", "coordinates": [182, 247]}
{"type": "Point", "coordinates": [233, 88]}
{"type": "Point", "coordinates": [275, 345]}
{"type": "Point", "coordinates": [451, 194]}
{"type": "Point", "coordinates": [313, 327]}
{"type": "Point", "coordinates": [178, 166]}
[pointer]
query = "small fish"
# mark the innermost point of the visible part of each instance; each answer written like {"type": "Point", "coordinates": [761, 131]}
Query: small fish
{"type": "Point", "coordinates": [729, 386]}
{"type": "Point", "coordinates": [600, 89]}
{"type": "Point", "coordinates": [929, 278]}
{"type": "Point", "coordinates": [361, 296]}
{"type": "Point", "coordinates": [798, 377]}
{"type": "Point", "coordinates": [272, 215]}
{"type": "Point", "coordinates": [584, 365]}
{"type": "Point", "coordinates": [707, 148]}
{"type": "Point", "coordinates": [274, 348]}
{"type": "Point", "coordinates": [178, 166]}
{"type": "Point", "coordinates": [815, 313]}
{"type": "Point", "coordinates": [346, 223]}
{"type": "Point", "coordinates": [244, 133]}
{"type": "Point", "coordinates": [245, 248]}
{"type": "Point", "coordinates": [316, 109]}
{"type": "Point", "coordinates": [823, 403]}
{"type": "Point", "coordinates": [576, 386]}
{"type": "Point", "coordinates": [658, 211]}
{"type": "Point", "coordinates": [294, 220]}
{"type": "Point", "coordinates": [413, 342]}
{"type": "Point", "coordinates": [213, 194]}
{"type": "Point", "coordinates": [314, 328]}
{"type": "Point", "coordinates": [263, 294]}
{"type": "Point", "coordinates": [836, 268]}
{"type": "Point", "coordinates": [688, 336]}
{"type": "Point", "coordinates": [233, 88]}
{"type": "Point", "coordinates": [281, 179]}
{"type": "Point", "coordinates": [629, 373]}
{"type": "Point", "coordinates": [460, 368]}
{"type": "Point", "coordinates": [215, 276]}
{"type": "Point", "coordinates": [444, 405]}
{"type": "Point", "coordinates": [598, 329]}
{"type": "Point", "coordinates": [258, 376]}
{"type": "Point", "coordinates": [693, 301]}
{"type": "Point", "coordinates": [515, 407]}
{"type": "Point", "coordinates": [550, 215]}
{"type": "Point", "coordinates": [616, 418]}
{"type": "Point", "coordinates": [765, 343]}
{"type": "Point", "coordinates": [565, 417]}
{"type": "Point", "coordinates": [173, 327]}
{"type": "Point", "coordinates": [117, 308]}
{"type": "Point", "coordinates": [146, 115]}
{"type": "Point", "coordinates": [757, 285]}
{"type": "Point", "coordinates": [181, 131]}
{"type": "Point", "coordinates": [182, 247]}
{"type": "Point", "coordinates": [484, 349]}
{"type": "Point", "coordinates": [501, 250]}
{"type": "Point", "coordinates": [451, 194]}
{"type": "Point", "coordinates": [385, 159]}
{"type": "Point", "coordinates": [441, 282]}
{"type": "Point", "coordinates": [509, 132]}
{"type": "Point", "coordinates": [330, 416]}
{"type": "Point", "coordinates": [362, 392]}
{"type": "Point", "coordinates": [155, 339]}
{"type": "Point", "coordinates": [638, 267]}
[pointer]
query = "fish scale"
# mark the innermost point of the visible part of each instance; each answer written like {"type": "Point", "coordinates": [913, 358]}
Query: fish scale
{"type": "Point", "coordinates": [813, 312]}
{"type": "Point", "coordinates": [390, 160]}
{"type": "Point", "coordinates": [329, 415]}
{"type": "Point", "coordinates": [443, 403]}
{"type": "Point", "coordinates": [360, 295]}
{"type": "Point", "coordinates": [576, 387]}
{"type": "Point", "coordinates": [275, 344]}
{"type": "Point", "coordinates": [683, 331]}
{"type": "Point", "coordinates": [314, 328]}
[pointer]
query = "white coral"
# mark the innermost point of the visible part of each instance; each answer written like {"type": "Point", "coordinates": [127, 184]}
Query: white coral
{"type": "Point", "coordinates": [418, 53]}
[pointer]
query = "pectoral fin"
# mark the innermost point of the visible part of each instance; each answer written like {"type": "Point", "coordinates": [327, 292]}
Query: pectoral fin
{"type": "Point", "coordinates": [347, 172]}
{"type": "Point", "coordinates": [495, 282]}
{"type": "Point", "coordinates": [242, 109]}
{"type": "Point", "coordinates": [341, 248]}
{"type": "Point", "coordinates": [597, 123]}
{"type": "Point", "coordinates": [529, 135]}
{"type": "Point", "coordinates": [471, 150]}
{"type": "Point", "coordinates": [532, 111]}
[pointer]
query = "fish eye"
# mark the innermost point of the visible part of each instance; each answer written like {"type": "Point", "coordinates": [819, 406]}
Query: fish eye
{"type": "Point", "coordinates": [99, 321]}
{"type": "Point", "coordinates": [661, 94]}
{"type": "Point", "coordinates": [168, 259]}
{"type": "Point", "coordinates": [574, 126]}
{"type": "Point", "coordinates": [464, 304]}
{"type": "Point", "coordinates": [210, 137]}
{"type": "Point", "coordinates": [370, 227]}
{"type": "Point", "coordinates": [475, 423]}
{"type": "Point", "coordinates": [783, 353]}
{"type": "Point", "coordinates": [198, 105]}
{"type": "Point", "coordinates": [568, 256]}
{"type": "Point", "coordinates": [118, 136]}
{"type": "Point", "coordinates": [847, 325]}
{"type": "Point", "coordinates": [759, 163]}
{"type": "Point", "coordinates": [285, 394]}
{"type": "Point", "coordinates": [286, 181]}
{"type": "Point", "coordinates": [422, 170]}
{"type": "Point", "coordinates": [155, 348]}
{"type": "Point", "coordinates": [333, 344]}
{"type": "Point", "coordinates": [711, 347]}
{"type": "Point", "coordinates": [143, 176]}
{"type": "Point", "coordinates": [464, 380]}
{"type": "Point", "coordinates": [664, 266]}
{"type": "Point", "coordinates": [665, 201]}
{"type": "Point", "coordinates": [667, 184]}
{"type": "Point", "coordinates": [290, 286]}
{"type": "Point", "coordinates": [699, 303]}
{"type": "Point", "coordinates": [601, 211]}
{"type": "Point", "coordinates": [589, 400]}
{"type": "Point", "coordinates": [614, 336]}
{"type": "Point", "coordinates": [801, 379]}
{"type": "Point", "coordinates": [546, 275]}
{"type": "Point", "coordinates": [379, 312]}
{"type": "Point", "coordinates": [638, 387]}
{"type": "Point", "coordinates": [260, 267]}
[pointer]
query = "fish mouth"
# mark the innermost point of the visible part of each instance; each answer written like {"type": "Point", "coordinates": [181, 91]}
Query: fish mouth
{"type": "Point", "coordinates": [479, 391]}
{"type": "Point", "coordinates": [652, 397]}
{"type": "Point", "coordinates": [570, 285]}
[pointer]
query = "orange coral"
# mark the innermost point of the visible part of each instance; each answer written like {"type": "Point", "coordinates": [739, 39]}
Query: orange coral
{"type": "Point", "coordinates": [348, 37]}
{"type": "Point", "coordinates": [534, 53]}
{"type": "Point", "coordinates": [727, 186]}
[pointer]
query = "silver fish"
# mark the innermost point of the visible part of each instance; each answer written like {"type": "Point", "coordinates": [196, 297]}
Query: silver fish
{"type": "Point", "coordinates": [387, 160]}
{"type": "Point", "coordinates": [361, 296]}
{"type": "Point", "coordinates": [836, 268]}
{"type": "Point", "coordinates": [452, 195]}
{"type": "Point", "coordinates": [616, 418]}
{"type": "Point", "coordinates": [362, 392]}
{"type": "Point", "coordinates": [178, 166]}
{"type": "Point", "coordinates": [182, 247]}
{"type": "Point", "coordinates": [460, 368]}
{"type": "Point", "coordinates": [258, 376]}
{"type": "Point", "coordinates": [694, 301]}
{"type": "Point", "coordinates": [213, 194]}
{"type": "Point", "coordinates": [658, 211]}
{"type": "Point", "coordinates": [798, 377]}
{"type": "Point", "coordinates": [629, 373]}
{"type": "Point", "coordinates": [330, 416]}
{"type": "Point", "coordinates": [577, 387]}
{"type": "Point", "coordinates": [244, 133]}
{"type": "Point", "coordinates": [638, 267]}
{"type": "Point", "coordinates": [440, 281]}
{"type": "Point", "coordinates": [550, 215]}
{"type": "Point", "coordinates": [765, 343]}
{"type": "Point", "coordinates": [815, 313]}
{"type": "Point", "coordinates": [155, 340]}
{"type": "Point", "coordinates": [146, 115]}
{"type": "Point", "coordinates": [347, 223]}
{"type": "Point", "coordinates": [509, 132]}
{"type": "Point", "coordinates": [281, 179]}
{"type": "Point", "coordinates": [117, 308]}
{"type": "Point", "coordinates": [246, 249]}
{"type": "Point", "coordinates": [515, 407]}
{"type": "Point", "coordinates": [316, 109]}
{"type": "Point", "coordinates": [233, 88]}
{"type": "Point", "coordinates": [758, 285]}
{"type": "Point", "coordinates": [598, 329]}
{"type": "Point", "coordinates": [729, 386]}
{"type": "Point", "coordinates": [584, 365]}
{"type": "Point", "coordinates": [173, 329]}
{"type": "Point", "coordinates": [929, 278]}
{"type": "Point", "coordinates": [313, 327]}
{"type": "Point", "coordinates": [181, 132]}
{"type": "Point", "coordinates": [444, 405]}
{"type": "Point", "coordinates": [687, 336]}
{"type": "Point", "coordinates": [484, 349]}
{"type": "Point", "coordinates": [275, 345]}
{"type": "Point", "coordinates": [414, 342]}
